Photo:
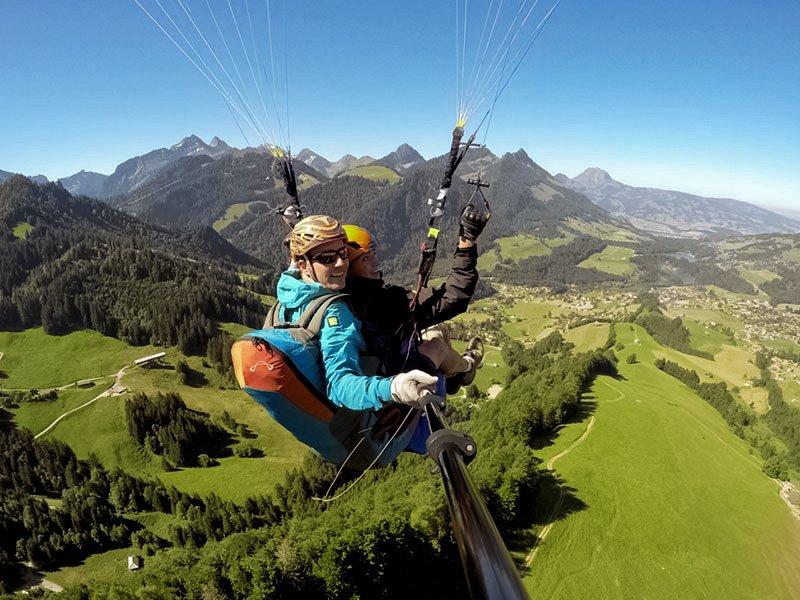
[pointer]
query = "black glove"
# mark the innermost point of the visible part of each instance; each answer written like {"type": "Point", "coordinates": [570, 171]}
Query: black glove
{"type": "Point", "coordinates": [472, 223]}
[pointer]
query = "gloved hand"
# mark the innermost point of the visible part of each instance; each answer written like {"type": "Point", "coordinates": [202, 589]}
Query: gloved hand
{"type": "Point", "coordinates": [411, 388]}
{"type": "Point", "coordinates": [472, 223]}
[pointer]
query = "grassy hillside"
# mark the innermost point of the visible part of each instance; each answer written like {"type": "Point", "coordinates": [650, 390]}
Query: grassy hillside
{"type": "Point", "coordinates": [21, 230]}
{"type": "Point", "coordinates": [757, 276]}
{"type": "Point", "coordinates": [374, 173]}
{"type": "Point", "coordinates": [520, 246]}
{"type": "Point", "coordinates": [588, 337]}
{"type": "Point", "coordinates": [101, 427]}
{"type": "Point", "coordinates": [33, 359]}
{"type": "Point", "coordinates": [233, 212]}
{"type": "Point", "coordinates": [613, 259]}
{"type": "Point", "coordinates": [676, 507]}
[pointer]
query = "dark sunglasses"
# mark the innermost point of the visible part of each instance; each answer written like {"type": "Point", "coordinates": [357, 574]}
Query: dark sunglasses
{"type": "Point", "coordinates": [329, 257]}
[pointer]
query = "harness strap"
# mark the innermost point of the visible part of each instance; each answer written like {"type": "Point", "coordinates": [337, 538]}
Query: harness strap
{"type": "Point", "coordinates": [312, 318]}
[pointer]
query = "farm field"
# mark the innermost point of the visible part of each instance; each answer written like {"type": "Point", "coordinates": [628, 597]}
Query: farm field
{"type": "Point", "coordinates": [612, 259]}
{"type": "Point", "coordinates": [757, 276]}
{"type": "Point", "coordinates": [702, 315]}
{"type": "Point", "coordinates": [706, 338]}
{"type": "Point", "coordinates": [603, 231]}
{"type": "Point", "coordinates": [676, 508]}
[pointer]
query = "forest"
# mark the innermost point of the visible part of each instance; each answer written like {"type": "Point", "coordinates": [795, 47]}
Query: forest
{"type": "Point", "coordinates": [84, 265]}
{"type": "Point", "coordinates": [165, 426]}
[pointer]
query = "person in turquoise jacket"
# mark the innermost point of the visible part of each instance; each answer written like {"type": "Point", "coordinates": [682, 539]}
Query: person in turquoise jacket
{"type": "Point", "coordinates": [319, 266]}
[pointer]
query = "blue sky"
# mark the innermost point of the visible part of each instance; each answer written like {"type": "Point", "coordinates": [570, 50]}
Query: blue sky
{"type": "Point", "coordinates": [696, 96]}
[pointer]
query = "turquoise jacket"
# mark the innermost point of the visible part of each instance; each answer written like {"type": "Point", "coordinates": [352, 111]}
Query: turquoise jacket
{"type": "Point", "coordinates": [341, 344]}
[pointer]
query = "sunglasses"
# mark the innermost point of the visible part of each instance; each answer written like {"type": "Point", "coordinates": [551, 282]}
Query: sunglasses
{"type": "Point", "coordinates": [330, 257]}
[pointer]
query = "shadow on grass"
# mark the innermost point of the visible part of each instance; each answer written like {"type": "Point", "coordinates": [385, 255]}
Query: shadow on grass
{"type": "Point", "coordinates": [583, 411]}
{"type": "Point", "coordinates": [554, 502]}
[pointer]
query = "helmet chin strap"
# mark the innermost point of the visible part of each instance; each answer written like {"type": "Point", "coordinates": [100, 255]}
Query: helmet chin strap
{"type": "Point", "coordinates": [311, 267]}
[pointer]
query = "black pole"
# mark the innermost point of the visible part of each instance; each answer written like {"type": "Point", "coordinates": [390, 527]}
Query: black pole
{"type": "Point", "coordinates": [489, 570]}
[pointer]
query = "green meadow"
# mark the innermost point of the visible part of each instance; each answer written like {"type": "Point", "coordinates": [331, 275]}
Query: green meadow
{"type": "Point", "coordinates": [612, 259]}
{"type": "Point", "coordinates": [21, 230]}
{"type": "Point", "coordinates": [664, 500]}
{"type": "Point", "coordinates": [529, 319]}
{"type": "Point", "coordinates": [519, 246]}
{"type": "Point", "coordinates": [588, 337]}
{"type": "Point", "coordinates": [101, 429]}
{"type": "Point", "coordinates": [757, 276]}
{"type": "Point", "coordinates": [233, 212]}
{"type": "Point", "coordinates": [33, 359]}
{"type": "Point", "coordinates": [374, 173]}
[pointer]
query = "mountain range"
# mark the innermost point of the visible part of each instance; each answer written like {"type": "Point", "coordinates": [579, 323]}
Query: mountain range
{"type": "Point", "coordinates": [162, 186]}
{"type": "Point", "coordinates": [673, 213]}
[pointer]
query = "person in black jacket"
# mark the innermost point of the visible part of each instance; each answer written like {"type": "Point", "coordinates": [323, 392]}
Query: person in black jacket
{"type": "Point", "coordinates": [387, 323]}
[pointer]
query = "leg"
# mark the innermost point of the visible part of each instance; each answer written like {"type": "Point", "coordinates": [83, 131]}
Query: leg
{"type": "Point", "coordinates": [437, 347]}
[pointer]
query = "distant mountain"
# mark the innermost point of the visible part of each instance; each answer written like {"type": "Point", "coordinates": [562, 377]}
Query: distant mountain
{"type": "Point", "coordinates": [83, 264]}
{"type": "Point", "coordinates": [8, 175]}
{"type": "Point", "coordinates": [136, 171]}
{"type": "Point", "coordinates": [84, 183]}
{"type": "Point", "coordinates": [402, 159]}
{"type": "Point", "coordinates": [524, 199]}
{"type": "Point", "coordinates": [347, 163]}
{"type": "Point", "coordinates": [197, 190]}
{"type": "Point", "coordinates": [676, 213]}
{"type": "Point", "coordinates": [314, 160]}
{"type": "Point", "coordinates": [331, 169]}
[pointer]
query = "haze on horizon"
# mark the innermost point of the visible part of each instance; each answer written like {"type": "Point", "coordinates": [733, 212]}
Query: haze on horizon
{"type": "Point", "coordinates": [700, 99]}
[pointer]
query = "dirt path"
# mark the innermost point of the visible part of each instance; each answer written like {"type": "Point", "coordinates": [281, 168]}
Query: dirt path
{"type": "Point", "coordinates": [33, 580]}
{"type": "Point", "coordinates": [561, 492]}
{"type": "Point", "coordinates": [116, 389]}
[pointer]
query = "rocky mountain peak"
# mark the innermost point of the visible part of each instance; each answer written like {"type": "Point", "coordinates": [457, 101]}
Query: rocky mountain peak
{"type": "Point", "coordinates": [594, 177]}
{"type": "Point", "coordinates": [188, 141]}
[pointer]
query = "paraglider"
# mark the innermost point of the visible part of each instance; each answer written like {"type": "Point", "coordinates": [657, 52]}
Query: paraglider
{"type": "Point", "coordinates": [285, 372]}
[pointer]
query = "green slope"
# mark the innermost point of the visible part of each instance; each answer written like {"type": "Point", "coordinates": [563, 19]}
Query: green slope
{"type": "Point", "coordinates": [674, 504]}
{"type": "Point", "coordinates": [588, 337]}
{"type": "Point", "coordinates": [373, 173]}
{"type": "Point", "coordinates": [613, 259]}
{"type": "Point", "coordinates": [233, 212]}
{"type": "Point", "coordinates": [33, 359]}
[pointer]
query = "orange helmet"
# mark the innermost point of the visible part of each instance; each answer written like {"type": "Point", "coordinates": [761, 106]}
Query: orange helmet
{"type": "Point", "coordinates": [359, 241]}
{"type": "Point", "coordinates": [314, 231]}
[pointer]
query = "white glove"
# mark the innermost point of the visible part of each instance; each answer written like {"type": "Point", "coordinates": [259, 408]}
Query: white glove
{"type": "Point", "coordinates": [413, 387]}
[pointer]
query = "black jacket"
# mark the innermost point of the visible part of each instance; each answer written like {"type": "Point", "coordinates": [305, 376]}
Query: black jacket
{"type": "Point", "coordinates": [386, 319]}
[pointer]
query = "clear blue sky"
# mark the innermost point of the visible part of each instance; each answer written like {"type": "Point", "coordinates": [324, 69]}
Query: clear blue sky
{"type": "Point", "coordinates": [697, 96]}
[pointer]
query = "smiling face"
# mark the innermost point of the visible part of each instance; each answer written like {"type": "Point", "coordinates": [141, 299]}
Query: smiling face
{"type": "Point", "coordinates": [326, 265]}
{"type": "Point", "coordinates": [366, 266]}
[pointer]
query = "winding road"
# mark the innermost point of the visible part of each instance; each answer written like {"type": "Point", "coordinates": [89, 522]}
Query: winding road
{"type": "Point", "coordinates": [116, 389]}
